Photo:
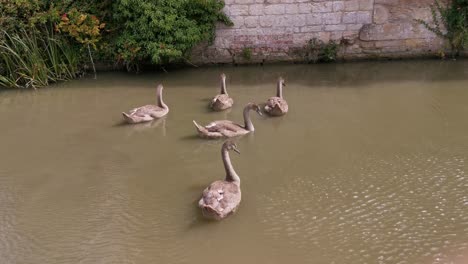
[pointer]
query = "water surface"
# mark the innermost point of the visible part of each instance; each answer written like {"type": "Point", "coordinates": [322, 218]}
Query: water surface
{"type": "Point", "coordinates": [369, 166]}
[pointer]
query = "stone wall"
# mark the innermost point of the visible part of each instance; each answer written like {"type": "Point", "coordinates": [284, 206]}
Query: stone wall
{"type": "Point", "coordinates": [277, 30]}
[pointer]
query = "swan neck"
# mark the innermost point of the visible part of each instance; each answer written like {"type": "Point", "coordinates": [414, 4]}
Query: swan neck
{"type": "Point", "coordinates": [279, 90]}
{"type": "Point", "coordinates": [231, 175]}
{"type": "Point", "coordinates": [223, 86]}
{"type": "Point", "coordinates": [160, 99]}
{"type": "Point", "coordinates": [247, 121]}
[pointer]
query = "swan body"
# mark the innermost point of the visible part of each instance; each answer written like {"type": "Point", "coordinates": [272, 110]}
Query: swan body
{"type": "Point", "coordinates": [276, 105]}
{"type": "Point", "coordinates": [148, 113]}
{"type": "Point", "coordinates": [222, 198]}
{"type": "Point", "coordinates": [222, 101]}
{"type": "Point", "coordinates": [227, 128]}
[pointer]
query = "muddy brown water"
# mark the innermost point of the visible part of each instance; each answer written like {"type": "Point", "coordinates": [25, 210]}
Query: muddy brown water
{"type": "Point", "coordinates": [369, 166]}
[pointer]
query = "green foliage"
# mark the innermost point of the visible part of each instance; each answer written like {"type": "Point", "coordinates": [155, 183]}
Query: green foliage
{"type": "Point", "coordinates": [450, 22]}
{"type": "Point", "coordinates": [126, 31]}
{"type": "Point", "coordinates": [16, 14]}
{"type": "Point", "coordinates": [247, 53]}
{"type": "Point", "coordinates": [28, 59]}
{"type": "Point", "coordinates": [318, 51]}
{"type": "Point", "coordinates": [164, 31]}
{"type": "Point", "coordinates": [83, 28]}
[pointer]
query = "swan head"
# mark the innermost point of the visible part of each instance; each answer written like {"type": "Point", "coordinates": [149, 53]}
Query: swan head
{"type": "Point", "coordinates": [231, 145]}
{"type": "Point", "coordinates": [223, 76]}
{"type": "Point", "coordinates": [255, 107]}
{"type": "Point", "coordinates": [159, 87]}
{"type": "Point", "coordinates": [281, 81]}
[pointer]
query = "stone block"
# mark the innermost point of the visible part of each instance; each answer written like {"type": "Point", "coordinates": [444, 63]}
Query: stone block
{"type": "Point", "coordinates": [324, 36]}
{"type": "Point", "coordinates": [267, 21]}
{"type": "Point", "coordinates": [238, 21]}
{"type": "Point", "coordinates": [335, 27]}
{"type": "Point", "coordinates": [291, 9]}
{"type": "Point", "coordinates": [238, 10]}
{"type": "Point", "coordinates": [251, 21]}
{"type": "Point", "coordinates": [305, 8]}
{"type": "Point", "coordinates": [255, 10]}
{"type": "Point", "coordinates": [298, 20]}
{"type": "Point", "coordinates": [314, 19]}
{"type": "Point", "coordinates": [354, 27]}
{"type": "Point", "coordinates": [389, 43]}
{"type": "Point", "coordinates": [274, 9]}
{"type": "Point", "coordinates": [349, 17]}
{"type": "Point", "coordinates": [351, 5]}
{"type": "Point", "coordinates": [366, 5]}
{"type": "Point", "coordinates": [322, 7]}
{"type": "Point", "coordinates": [244, 2]}
{"type": "Point", "coordinates": [338, 6]}
{"type": "Point", "coordinates": [332, 18]}
{"type": "Point", "coordinates": [381, 32]}
{"type": "Point", "coordinates": [312, 29]}
{"type": "Point", "coordinates": [336, 35]}
{"type": "Point", "coordinates": [364, 17]}
{"type": "Point", "coordinates": [387, 2]}
{"type": "Point", "coordinates": [381, 14]}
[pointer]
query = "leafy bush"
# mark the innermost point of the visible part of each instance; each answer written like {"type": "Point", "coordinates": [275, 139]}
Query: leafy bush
{"type": "Point", "coordinates": [164, 31]}
{"type": "Point", "coordinates": [126, 31]}
{"type": "Point", "coordinates": [318, 51]}
{"type": "Point", "coordinates": [246, 53]}
{"type": "Point", "coordinates": [451, 23]}
{"type": "Point", "coordinates": [16, 14]}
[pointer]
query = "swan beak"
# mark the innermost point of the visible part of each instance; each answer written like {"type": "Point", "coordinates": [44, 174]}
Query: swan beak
{"type": "Point", "coordinates": [236, 150]}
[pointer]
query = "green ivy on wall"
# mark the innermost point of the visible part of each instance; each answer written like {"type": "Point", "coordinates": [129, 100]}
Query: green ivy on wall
{"type": "Point", "coordinates": [450, 22]}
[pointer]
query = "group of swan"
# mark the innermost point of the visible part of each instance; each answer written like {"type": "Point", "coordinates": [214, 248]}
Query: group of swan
{"type": "Point", "coordinates": [221, 198]}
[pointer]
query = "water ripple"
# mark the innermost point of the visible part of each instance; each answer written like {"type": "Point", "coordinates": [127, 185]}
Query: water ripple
{"type": "Point", "coordinates": [404, 210]}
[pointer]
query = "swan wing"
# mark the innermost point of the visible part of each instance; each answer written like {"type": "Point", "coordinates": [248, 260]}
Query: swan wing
{"type": "Point", "coordinates": [145, 110]}
{"type": "Point", "coordinates": [223, 125]}
{"type": "Point", "coordinates": [222, 196]}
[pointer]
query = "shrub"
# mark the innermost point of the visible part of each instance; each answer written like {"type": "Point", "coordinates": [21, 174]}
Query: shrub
{"type": "Point", "coordinates": [164, 31]}
{"type": "Point", "coordinates": [450, 22]}
{"type": "Point", "coordinates": [16, 14]}
{"type": "Point", "coordinates": [247, 53]}
{"type": "Point", "coordinates": [128, 31]}
{"type": "Point", "coordinates": [318, 51]}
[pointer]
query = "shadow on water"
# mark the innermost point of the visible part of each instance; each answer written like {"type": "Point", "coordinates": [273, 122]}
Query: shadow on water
{"type": "Point", "coordinates": [333, 74]}
{"type": "Point", "coordinates": [193, 137]}
{"type": "Point", "coordinates": [347, 74]}
{"type": "Point", "coordinates": [150, 124]}
{"type": "Point", "coordinates": [199, 221]}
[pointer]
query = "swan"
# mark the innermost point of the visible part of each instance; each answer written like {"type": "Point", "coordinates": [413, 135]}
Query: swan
{"type": "Point", "coordinates": [276, 105]}
{"type": "Point", "coordinates": [227, 128]}
{"type": "Point", "coordinates": [222, 198]}
{"type": "Point", "coordinates": [147, 113]}
{"type": "Point", "coordinates": [222, 101]}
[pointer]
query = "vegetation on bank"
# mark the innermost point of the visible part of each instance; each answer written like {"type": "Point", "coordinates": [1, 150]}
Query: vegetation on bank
{"type": "Point", "coordinates": [450, 22]}
{"type": "Point", "coordinates": [44, 41]}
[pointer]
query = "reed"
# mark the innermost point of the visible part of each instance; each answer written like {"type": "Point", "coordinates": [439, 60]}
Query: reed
{"type": "Point", "coordinates": [33, 60]}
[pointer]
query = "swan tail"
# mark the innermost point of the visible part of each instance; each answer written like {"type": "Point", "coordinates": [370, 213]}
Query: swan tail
{"type": "Point", "coordinates": [199, 128]}
{"type": "Point", "coordinates": [127, 117]}
{"type": "Point", "coordinates": [210, 212]}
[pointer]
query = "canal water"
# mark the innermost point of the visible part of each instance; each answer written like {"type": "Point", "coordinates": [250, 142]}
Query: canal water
{"type": "Point", "coordinates": [370, 165]}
